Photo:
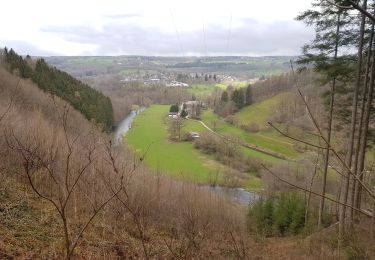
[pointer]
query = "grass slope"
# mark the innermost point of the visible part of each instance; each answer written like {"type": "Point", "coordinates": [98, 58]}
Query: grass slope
{"type": "Point", "coordinates": [259, 113]}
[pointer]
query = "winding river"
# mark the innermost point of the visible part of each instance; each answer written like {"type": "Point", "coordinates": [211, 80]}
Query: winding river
{"type": "Point", "coordinates": [238, 195]}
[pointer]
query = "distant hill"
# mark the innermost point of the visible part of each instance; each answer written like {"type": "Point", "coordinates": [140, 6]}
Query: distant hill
{"type": "Point", "coordinates": [90, 102]}
{"type": "Point", "coordinates": [238, 66]}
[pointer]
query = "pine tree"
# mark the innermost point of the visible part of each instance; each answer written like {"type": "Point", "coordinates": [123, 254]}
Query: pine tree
{"type": "Point", "coordinates": [238, 98]}
{"type": "Point", "coordinates": [224, 97]}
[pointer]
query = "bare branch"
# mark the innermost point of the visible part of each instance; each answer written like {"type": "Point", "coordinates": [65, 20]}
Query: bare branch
{"type": "Point", "coordinates": [95, 213]}
{"type": "Point", "coordinates": [340, 6]}
{"type": "Point", "coordinates": [317, 194]}
{"type": "Point", "coordinates": [332, 149]}
{"type": "Point", "coordinates": [295, 139]}
{"type": "Point", "coordinates": [355, 6]}
{"type": "Point", "coordinates": [316, 125]}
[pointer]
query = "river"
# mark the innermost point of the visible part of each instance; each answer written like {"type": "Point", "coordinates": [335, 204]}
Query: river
{"type": "Point", "coordinates": [125, 125]}
{"type": "Point", "coordinates": [238, 195]}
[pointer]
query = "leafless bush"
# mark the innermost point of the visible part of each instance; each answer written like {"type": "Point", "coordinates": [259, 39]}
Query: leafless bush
{"type": "Point", "coordinates": [227, 150]}
{"type": "Point", "coordinates": [231, 120]}
{"type": "Point", "coordinates": [225, 109]}
{"type": "Point", "coordinates": [213, 144]}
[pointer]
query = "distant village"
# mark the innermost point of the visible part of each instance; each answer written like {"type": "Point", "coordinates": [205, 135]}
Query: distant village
{"type": "Point", "coordinates": [175, 80]}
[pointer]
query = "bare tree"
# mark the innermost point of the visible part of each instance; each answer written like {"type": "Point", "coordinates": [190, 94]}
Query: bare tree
{"type": "Point", "coordinates": [62, 167]}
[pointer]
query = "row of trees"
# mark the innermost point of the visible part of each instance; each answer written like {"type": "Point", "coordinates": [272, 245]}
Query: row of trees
{"type": "Point", "coordinates": [91, 103]}
{"type": "Point", "coordinates": [233, 99]}
{"type": "Point", "coordinates": [276, 84]}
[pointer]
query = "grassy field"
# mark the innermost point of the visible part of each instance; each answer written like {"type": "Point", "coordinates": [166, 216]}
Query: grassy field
{"type": "Point", "coordinates": [149, 129]}
{"type": "Point", "coordinates": [202, 89]}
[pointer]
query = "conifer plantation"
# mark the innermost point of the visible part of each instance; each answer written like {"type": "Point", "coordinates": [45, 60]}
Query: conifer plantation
{"type": "Point", "coordinates": [91, 103]}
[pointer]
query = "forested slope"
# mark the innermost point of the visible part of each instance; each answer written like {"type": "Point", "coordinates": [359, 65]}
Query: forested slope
{"type": "Point", "coordinates": [90, 102]}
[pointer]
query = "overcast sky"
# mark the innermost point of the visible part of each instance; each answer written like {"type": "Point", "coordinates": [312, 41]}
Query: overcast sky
{"type": "Point", "coordinates": [154, 27]}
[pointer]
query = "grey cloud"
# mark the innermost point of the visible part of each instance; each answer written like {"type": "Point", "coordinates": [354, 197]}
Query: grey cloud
{"type": "Point", "coordinates": [253, 38]}
{"type": "Point", "coordinates": [123, 16]}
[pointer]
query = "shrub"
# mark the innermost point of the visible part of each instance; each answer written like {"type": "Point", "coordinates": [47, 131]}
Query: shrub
{"type": "Point", "coordinates": [231, 120]}
{"type": "Point", "coordinates": [184, 113]}
{"type": "Point", "coordinates": [261, 217]}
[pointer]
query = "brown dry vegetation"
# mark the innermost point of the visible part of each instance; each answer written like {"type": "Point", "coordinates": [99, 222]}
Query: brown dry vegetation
{"type": "Point", "coordinates": [65, 192]}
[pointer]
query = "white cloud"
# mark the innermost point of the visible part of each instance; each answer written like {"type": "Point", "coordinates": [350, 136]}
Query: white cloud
{"type": "Point", "coordinates": [159, 18]}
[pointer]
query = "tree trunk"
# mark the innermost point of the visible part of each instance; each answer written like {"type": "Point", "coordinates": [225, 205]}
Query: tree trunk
{"type": "Point", "coordinates": [310, 188]}
{"type": "Point", "coordinates": [349, 155]}
{"type": "Point", "coordinates": [364, 131]}
{"type": "Point", "coordinates": [360, 126]}
{"type": "Point", "coordinates": [329, 131]}
{"type": "Point", "coordinates": [363, 144]}
{"type": "Point", "coordinates": [326, 155]}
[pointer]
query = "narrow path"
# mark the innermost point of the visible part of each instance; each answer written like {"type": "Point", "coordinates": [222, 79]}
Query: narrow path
{"type": "Point", "coordinates": [244, 144]}
{"type": "Point", "coordinates": [205, 126]}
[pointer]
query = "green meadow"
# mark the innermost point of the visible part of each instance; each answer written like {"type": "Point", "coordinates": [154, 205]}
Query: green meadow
{"type": "Point", "coordinates": [149, 133]}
